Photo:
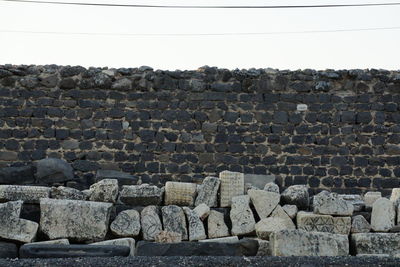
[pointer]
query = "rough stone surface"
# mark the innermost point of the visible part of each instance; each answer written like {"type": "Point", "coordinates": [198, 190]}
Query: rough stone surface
{"type": "Point", "coordinates": [216, 225]}
{"type": "Point", "coordinates": [8, 250]}
{"type": "Point", "coordinates": [52, 170]}
{"type": "Point", "coordinates": [258, 180]}
{"type": "Point", "coordinates": [17, 175]}
{"type": "Point", "coordinates": [303, 243]}
{"type": "Point", "coordinates": [141, 195]}
{"type": "Point", "coordinates": [291, 210]}
{"type": "Point", "coordinates": [150, 222]}
{"type": "Point", "coordinates": [263, 201]}
{"type": "Point", "coordinates": [296, 195]}
{"type": "Point", "coordinates": [78, 220]}
{"type": "Point", "coordinates": [360, 225]}
{"type": "Point", "coordinates": [279, 212]}
{"type": "Point", "coordinates": [355, 200]}
{"type": "Point", "coordinates": [126, 224]}
{"type": "Point", "coordinates": [126, 242]}
{"type": "Point", "coordinates": [208, 192]}
{"type": "Point", "coordinates": [182, 194]}
{"type": "Point", "coordinates": [272, 224]}
{"type": "Point", "coordinates": [174, 220]}
{"type": "Point", "coordinates": [341, 225]}
{"type": "Point", "coordinates": [370, 198]}
{"type": "Point", "coordinates": [105, 191]}
{"type": "Point", "coordinates": [242, 218]}
{"type": "Point", "coordinates": [395, 196]}
{"type": "Point", "coordinates": [383, 215]}
{"type": "Point", "coordinates": [122, 177]}
{"type": "Point", "coordinates": [271, 187]}
{"type": "Point", "coordinates": [376, 243]}
{"type": "Point", "coordinates": [228, 239]}
{"type": "Point", "coordinates": [195, 225]}
{"type": "Point", "coordinates": [314, 222]}
{"type": "Point", "coordinates": [62, 241]}
{"type": "Point", "coordinates": [63, 192]}
{"type": "Point", "coordinates": [168, 237]}
{"type": "Point", "coordinates": [28, 194]}
{"type": "Point", "coordinates": [232, 184]}
{"type": "Point", "coordinates": [331, 204]}
{"type": "Point", "coordinates": [202, 211]}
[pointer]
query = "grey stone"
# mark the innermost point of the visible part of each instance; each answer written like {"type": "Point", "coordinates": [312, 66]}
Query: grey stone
{"type": "Point", "coordinates": [195, 225]}
{"type": "Point", "coordinates": [62, 192]}
{"type": "Point", "coordinates": [151, 223]}
{"type": "Point", "coordinates": [232, 184]}
{"type": "Point", "coordinates": [82, 221]}
{"type": "Point", "coordinates": [122, 177]}
{"type": "Point", "coordinates": [17, 175]}
{"type": "Point", "coordinates": [314, 222]}
{"type": "Point", "coordinates": [360, 225]}
{"type": "Point", "coordinates": [330, 204]}
{"type": "Point", "coordinates": [208, 192]}
{"type": "Point", "coordinates": [279, 212]}
{"type": "Point", "coordinates": [202, 211]}
{"type": "Point", "coordinates": [29, 194]}
{"type": "Point", "coordinates": [104, 191]}
{"type": "Point", "coordinates": [272, 224]}
{"type": "Point", "coordinates": [355, 200]}
{"type": "Point", "coordinates": [126, 242]}
{"type": "Point", "coordinates": [259, 180]}
{"type": "Point", "coordinates": [370, 198]}
{"type": "Point", "coordinates": [291, 210]}
{"type": "Point", "coordinates": [264, 201]}
{"type": "Point", "coordinates": [122, 84]}
{"type": "Point", "coordinates": [296, 195]}
{"type": "Point", "coordinates": [62, 241]}
{"type": "Point", "coordinates": [168, 237]}
{"type": "Point", "coordinates": [8, 250]}
{"type": "Point", "coordinates": [376, 243]}
{"type": "Point", "coordinates": [395, 196]}
{"type": "Point", "coordinates": [271, 187]}
{"type": "Point", "coordinates": [228, 239]}
{"type": "Point", "coordinates": [383, 215]}
{"type": "Point", "coordinates": [242, 218]}
{"type": "Point", "coordinates": [126, 224]}
{"type": "Point", "coordinates": [216, 225]}
{"type": "Point", "coordinates": [141, 195]}
{"type": "Point", "coordinates": [174, 220]}
{"type": "Point", "coordinates": [182, 194]}
{"type": "Point", "coordinates": [70, 144]}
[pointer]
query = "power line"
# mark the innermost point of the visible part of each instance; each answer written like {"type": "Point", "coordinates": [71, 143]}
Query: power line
{"type": "Point", "coordinates": [201, 34]}
{"type": "Point", "coordinates": [205, 7]}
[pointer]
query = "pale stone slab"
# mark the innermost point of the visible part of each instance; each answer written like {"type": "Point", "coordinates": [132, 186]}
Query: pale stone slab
{"type": "Point", "coordinates": [279, 212]}
{"type": "Point", "coordinates": [74, 219]}
{"type": "Point", "coordinates": [208, 192]}
{"type": "Point", "coordinates": [141, 195]}
{"type": "Point", "coordinates": [232, 184]}
{"type": "Point", "coordinates": [314, 222]}
{"type": "Point", "coordinates": [195, 225]}
{"type": "Point", "coordinates": [63, 192]}
{"type": "Point", "coordinates": [258, 180]}
{"type": "Point", "coordinates": [168, 237]}
{"type": "Point", "coordinates": [341, 225]}
{"type": "Point", "coordinates": [202, 211]}
{"type": "Point", "coordinates": [126, 242]}
{"type": "Point", "coordinates": [228, 239]}
{"type": "Point", "coordinates": [355, 200]}
{"type": "Point", "coordinates": [383, 215]}
{"type": "Point", "coordinates": [105, 190]}
{"type": "Point", "coordinates": [62, 241]}
{"type": "Point", "coordinates": [11, 209]}
{"type": "Point", "coordinates": [291, 210]}
{"type": "Point", "coordinates": [26, 193]}
{"type": "Point", "coordinates": [376, 243]}
{"type": "Point", "coordinates": [126, 224]}
{"type": "Point", "coordinates": [296, 195]}
{"type": "Point", "coordinates": [395, 196]}
{"type": "Point", "coordinates": [263, 247]}
{"type": "Point", "coordinates": [151, 223]}
{"type": "Point", "coordinates": [271, 187]}
{"type": "Point", "coordinates": [360, 225]}
{"type": "Point", "coordinates": [242, 218]}
{"type": "Point", "coordinates": [216, 225]}
{"type": "Point", "coordinates": [303, 243]}
{"type": "Point", "coordinates": [181, 194]}
{"type": "Point", "coordinates": [264, 201]}
{"type": "Point", "coordinates": [271, 224]}
{"type": "Point", "coordinates": [330, 204]}
{"type": "Point", "coordinates": [370, 198]}
{"type": "Point", "coordinates": [174, 220]}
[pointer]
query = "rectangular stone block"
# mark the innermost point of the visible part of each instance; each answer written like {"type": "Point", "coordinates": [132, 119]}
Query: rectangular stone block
{"type": "Point", "coordinates": [228, 239]}
{"type": "Point", "coordinates": [315, 222]}
{"type": "Point", "coordinates": [141, 195]}
{"type": "Point", "coordinates": [181, 194]}
{"type": "Point", "coordinates": [376, 243]}
{"type": "Point", "coordinates": [126, 242]}
{"type": "Point", "coordinates": [232, 184]}
{"type": "Point", "coordinates": [28, 194]}
{"type": "Point", "coordinates": [341, 225]}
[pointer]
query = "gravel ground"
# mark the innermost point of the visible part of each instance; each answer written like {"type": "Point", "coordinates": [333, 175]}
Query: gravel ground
{"type": "Point", "coordinates": [206, 261]}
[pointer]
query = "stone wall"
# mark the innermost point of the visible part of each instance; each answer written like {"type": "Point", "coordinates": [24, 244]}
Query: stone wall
{"type": "Point", "coordinates": [328, 129]}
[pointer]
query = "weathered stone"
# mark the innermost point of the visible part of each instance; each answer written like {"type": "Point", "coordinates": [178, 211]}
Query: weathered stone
{"type": "Point", "coordinates": [8, 250]}
{"type": "Point", "coordinates": [62, 241]}
{"type": "Point", "coordinates": [341, 225]}
{"type": "Point", "coordinates": [74, 219]}
{"type": "Point", "coordinates": [296, 195]}
{"type": "Point", "coordinates": [151, 223]}
{"type": "Point", "coordinates": [330, 204]}
{"type": "Point", "coordinates": [141, 195]}
{"type": "Point", "coordinates": [53, 170]}
{"type": "Point", "coordinates": [355, 200]}
{"type": "Point", "coordinates": [395, 196]}
{"type": "Point", "coordinates": [202, 211]}
{"type": "Point", "coordinates": [126, 242]}
{"type": "Point", "coordinates": [271, 224]}
{"type": "Point", "coordinates": [122, 177]}
{"type": "Point", "coordinates": [303, 243]}
{"type": "Point", "coordinates": [360, 225]}
{"type": "Point", "coordinates": [168, 237]}
{"type": "Point", "coordinates": [208, 192]}
{"type": "Point", "coordinates": [174, 220]}
{"type": "Point", "coordinates": [271, 187]}
{"type": "Point", "coordinates": [291, 210]}
{"type": "Point", "coordinates": [264, 201]}
{"type": "Point", "coordinates": [376, 243]}
{"type": "Point", "coordinates": [126, 224]}
{"type": "Point", "coordinates": [216, 225]}
{"type": "Point", "coordinates": [228, 239]}
{"type": "Point", "coordinates": [259, 180]}
{"type": "Point", "coordinates": [104, 191]}
{"type": "Point", "coordinates": [314, 222]}
{"type": "Point", "coordinates": [181, 194]}
{"type": "Point", "coordinates": [242, 218]}
{"type": "Point", "coordinates": [279, 212]}
{"type": "Point", "coordinates": [383, 215]}
{"type": "Point", "coordinates": [17, 175]}
{"type": "Point", "coordinates": [29, 194]}
{"type": "Point", "coordinates": [62, 192]}
{"type": "Point", "coordinates": [195, 225]}
{"type": "Point", "coordinates": [263, 247]}
{"type": "Point", "coordinates": [232, 184]}
{"type": "Point", "coordinates": [370, 198]}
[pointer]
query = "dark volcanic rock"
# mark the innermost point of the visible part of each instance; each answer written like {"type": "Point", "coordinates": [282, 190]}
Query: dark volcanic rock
{"type": "Point", "coordinates": [52, 170]}
{"type": "Point", "coordinates": [8, 250]}
{"type": "Point", "coordinates": [122, 177]}
{"type": "Point", "coordinates": [17, 175]}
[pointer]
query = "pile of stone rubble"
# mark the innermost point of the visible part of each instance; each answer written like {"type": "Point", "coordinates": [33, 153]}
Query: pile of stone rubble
{"type": "Point", "coordinates": [222, 216]}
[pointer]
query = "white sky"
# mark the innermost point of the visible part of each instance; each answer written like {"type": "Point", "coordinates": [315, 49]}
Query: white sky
{"type": "Point", "coordinates": [339, 50]}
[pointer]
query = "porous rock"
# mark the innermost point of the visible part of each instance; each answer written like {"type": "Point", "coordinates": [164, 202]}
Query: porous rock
{"type": "Point", "coordinates": [151, 223]}
{"type": "Point", "coordinates": [29, 194]}
{"type": "Point", "coordinates": [271, 187]}
{"type": "Point", "coordinates": [53, 170]}
{"type": "Point", "coordinates": [195, 225]}
{"type": "Point", "coordinates": [63, 192]}
{"type": "Point", "coordinates": [126, 224]}
{"type": "Point", "coordinates": [376, 243]}
{"type": "Point", "coordinates": [330, 204]}
{"type": "Point", "coordinates": [141, 195]}
{"type": "Point", "coordinates": [174, 220]}
{"type": "Point", "coordinates": [104, 191]}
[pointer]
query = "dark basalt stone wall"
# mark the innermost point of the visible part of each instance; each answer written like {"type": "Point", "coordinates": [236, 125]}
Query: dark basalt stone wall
{"type": "Point", "coordinates": [328, 129]}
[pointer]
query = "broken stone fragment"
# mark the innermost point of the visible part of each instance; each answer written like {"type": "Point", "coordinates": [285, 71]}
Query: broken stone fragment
{"type": "Point", "coordinates": [77, 220]}
{"type": "Point", "coordinates": [195, 225]}
{"type": "Point", "coordinates": [370, 198]}
{"type": "Point", "coordinates": [28, 194]}
{"type": "Point", "coordinates": [151, 223]}
{"type": "Point", "coordinates": [242, 218]}
{"type": "Point", "coordinates": [383, 215]}
{"type": "Point", "coordinates": [168, 237]}
{"type": "Point", "coordinates": [296, 195]}
{"type": "Point", "coordinates": [395, 196]}
{"type": "Point", "coordinates": [126, 242]}
{"type": "Point", "coordinates": [291, 210]}
{"type": "Point", "coordinates": [216, 225]}
{"type": "Point", "coordinates": [278, 212]}
{"type": "Point", "coordinates": [330, 204]}
{"type": "Point", "coordinates": [202, 211]}
{"type": "Point", "coordinates": [272, 224]}
{"type": "Point", "coordinates": [232, 184]}
{"type": "Point", "coordinates": [264, 201]}
{"type": "Point", "coordinates": [272, 187]}
{"type": "Point", "coordinates": [355, 200]}
{"type": "Point", "coordinates": [360, 225]}
{"type": "Point", "coordinates": [104, 191]}
{"type": "Point", "coordinates": [63, 192]}
{"type": "Point", "coordinates": [208, 192]}
{"type": "Point", "coordinates": [376, 243]}
{"type": "Point", "coordinates": [174, 220]}
{"type": "Point", "coordinates": [141, 195]}
{"type": "Point", "coordinates": [126, 224]}
{"type": "Point", "coordinates": [53, 170]}
{"type": "Point", "coordinates": [182, 194]}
